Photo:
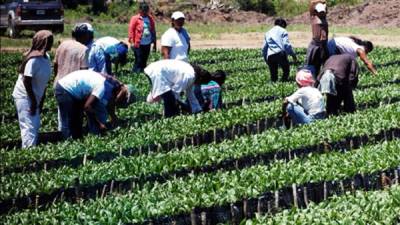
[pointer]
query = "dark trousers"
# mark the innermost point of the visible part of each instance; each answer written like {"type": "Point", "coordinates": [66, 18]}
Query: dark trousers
{"type": "Point", "coordinates": [171, 107]}
{"type": "Point", "coordinates": [278, 60]}
{"type": "Point", "coordinates": [141, 56]}
{"type": "Point", "coordinates": [345, 96]}
{"type": "Point", "coordinates": [71, 113]}
{"type": "Point", "coordinates": [317, 54]}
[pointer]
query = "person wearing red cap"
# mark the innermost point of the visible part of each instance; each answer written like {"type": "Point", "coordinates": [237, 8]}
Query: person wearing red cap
{"type": "Point", "coordinates": [306, 104]}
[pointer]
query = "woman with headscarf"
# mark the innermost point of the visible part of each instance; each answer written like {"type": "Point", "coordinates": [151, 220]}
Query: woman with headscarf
{"type": "Point", "coordinates": [306, 104]}
{"type": "Point", "coordinates": [104, 52]}
{"type": "Point", "coordinates": [30, 88]}
{"type": "Point", "coordinates": [317, 51]}
{"type": "Point", "coordinates": [354, 47]}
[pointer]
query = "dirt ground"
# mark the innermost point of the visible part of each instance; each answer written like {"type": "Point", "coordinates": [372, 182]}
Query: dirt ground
{"type": "Point", "coordinates": [255, 40]}
{"type": "Point", "coordinates": [297, 38]}
{"type": "Point", "coordinates": [373, 13]}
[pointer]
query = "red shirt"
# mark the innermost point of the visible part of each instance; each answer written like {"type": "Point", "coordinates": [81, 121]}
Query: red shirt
{"type": "Point", "coordinates": [135, 30]}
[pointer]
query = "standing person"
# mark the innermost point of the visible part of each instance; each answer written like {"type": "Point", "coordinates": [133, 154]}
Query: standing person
{"type": "Point", "coordinates": [170, 77]}
{"type": "Point", "coordinates": [317, 51]}
{"type": "Point", "coordinates": [30, 88]}
{"type": "Point", "coordinates": [353, 46]}
{"type": "Point", "coordinates": [104, 52]}
{"type": "Point", "coordinates": [175, 42]}
{"type": "Point", "coordinates": [209, 94]}
{"type": "Point", "coordinates": [338, 79]}
{"type": "Point", "coordinates": [306, 104]}
{"type": "Point", "coordinates": [72, 55]}
{"type": "Point", "coordinates": [90, 31]}
{"type": "Point", "coordinates": [90, 92]}
{"type": "Point", "coordinates": [276, 48]}
{"type": "Point", "coordinates": [142, 33]}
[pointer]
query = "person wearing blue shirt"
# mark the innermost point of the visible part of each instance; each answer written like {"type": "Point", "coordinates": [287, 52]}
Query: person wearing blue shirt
{"type": "Point", "coordinates": [104, 52]}
{"type": "Point", "coordinates": [276, 48]}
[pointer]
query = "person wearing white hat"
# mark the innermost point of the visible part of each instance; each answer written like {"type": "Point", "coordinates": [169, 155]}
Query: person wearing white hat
{"type": "Point", "coordinates": [175, 42]}
{"type": "Point", "coordinates": [317, 52]}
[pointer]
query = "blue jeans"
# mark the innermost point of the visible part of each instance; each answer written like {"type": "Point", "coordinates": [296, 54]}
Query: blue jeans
{"type": "Point", "coordinates": [71, 113]}
{"type": "Point", "coordinates": [299, 116]}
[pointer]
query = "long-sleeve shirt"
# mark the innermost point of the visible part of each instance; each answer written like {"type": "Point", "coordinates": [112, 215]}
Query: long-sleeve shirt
{"type": "Point", "coordinates": [277, 40]}
{"type": "Point", "coordinates": [136, 29]}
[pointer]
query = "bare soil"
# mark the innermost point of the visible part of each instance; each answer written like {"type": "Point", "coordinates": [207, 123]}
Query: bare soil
{"type": "Point", "coordinates": [297, 38]}
{"type": "Point", "coordinates": [373, 13]}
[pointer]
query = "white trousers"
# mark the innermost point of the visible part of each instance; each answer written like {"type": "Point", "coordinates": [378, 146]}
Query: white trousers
{"type": "Point", "coordinates": [28, 124]}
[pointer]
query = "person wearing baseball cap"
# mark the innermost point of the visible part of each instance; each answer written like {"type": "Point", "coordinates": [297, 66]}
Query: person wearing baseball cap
{"type": "Point", "coordinates": [72, 55]}
{"type": "Point", "coordinates": [306, 104]}
{"type": "Point", "coordinates": [175, 42]}
{"type": "Point", "coordinates": [317, 51]}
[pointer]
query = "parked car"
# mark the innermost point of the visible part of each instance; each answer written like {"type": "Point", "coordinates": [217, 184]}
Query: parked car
{"type": "Point", "coordinates": [31, 15]}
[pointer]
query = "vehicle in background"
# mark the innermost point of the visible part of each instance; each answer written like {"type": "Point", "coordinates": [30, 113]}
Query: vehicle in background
{"type": "Point", "coordinates": [31, 15]}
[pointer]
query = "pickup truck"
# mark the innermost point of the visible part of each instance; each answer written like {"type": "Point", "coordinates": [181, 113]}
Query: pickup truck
{"type": "Point", "coordinates": [31, 15]}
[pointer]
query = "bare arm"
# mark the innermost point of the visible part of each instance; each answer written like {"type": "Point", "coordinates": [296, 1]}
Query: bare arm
{"type": "Point", "coordinates": [89, 110]}
{"type": "Point", "coordinates": [363, 57]}
{"type": "Point", "coordinates": [165, 50]}
{"type": "Point", "coordinates": [29, 90]}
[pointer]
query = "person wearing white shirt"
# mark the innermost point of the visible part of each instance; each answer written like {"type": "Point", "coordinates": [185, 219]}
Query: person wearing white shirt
{"type": "Point", "coordinates": [307, 103]}
{"type": "Point", "coordinates": [90, 92]}
{"type": "Point", "coordinates": [354, 47]}
{"type": "Point", "coordinates": [30, 88]}
{"type": "Point", "coordinates": [175, 42]}
{"type": "Point", "coordinates": [170, 77]}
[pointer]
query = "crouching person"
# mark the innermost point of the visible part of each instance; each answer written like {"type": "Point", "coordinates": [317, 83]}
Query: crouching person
{"type": "Point", "coordinates": [209, 95]}
{"type": "Point", "coordinates": [89, 92]}
{"type": "Point", "coordinates": [306, 104]}
{"type": "Point", "coordinates": [169, 78]}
